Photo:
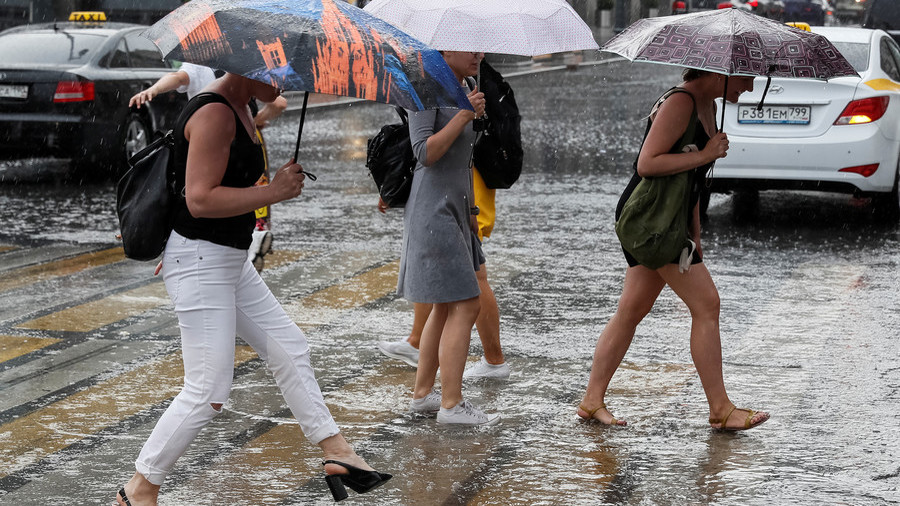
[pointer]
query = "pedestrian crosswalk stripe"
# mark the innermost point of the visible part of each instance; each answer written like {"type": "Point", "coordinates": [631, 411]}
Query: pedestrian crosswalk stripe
{"type": "Point", "coordinates": [42, 272]}
{"type": "Point", "coordinates": [16, 346]}
{"type": "Point", "coordinates": [96, 314]}
{"type": "Point", "coordinates": [281, 257]}
{"type": "Point", "coordinates": [35, 436]}
{"type": "Point", "coordinates": [321, 307]}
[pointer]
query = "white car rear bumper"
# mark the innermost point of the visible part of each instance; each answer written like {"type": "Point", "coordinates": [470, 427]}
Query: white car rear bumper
{"type": "Point", "coordinates": [774, 163]}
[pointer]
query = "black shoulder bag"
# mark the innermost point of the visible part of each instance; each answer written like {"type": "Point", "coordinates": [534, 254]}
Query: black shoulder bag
{"type": "Point", "coordinates": [145, 201]}
{"type": "Point", "coordinates": [390, 160]}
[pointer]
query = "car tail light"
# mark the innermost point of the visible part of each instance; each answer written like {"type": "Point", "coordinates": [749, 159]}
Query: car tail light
{"type": "Point", "coordinates": [678, 5]}
{"type": "Point", "coordinates": [863, 170]}
{"type": "Point", "coordinates": [862, 111]}
{"type": "Point", "coordinates": [753, 4]}
{"type": "Point", "coordinates": [724, 5]}
{"type": "Point", "coordinates": [74, 91]}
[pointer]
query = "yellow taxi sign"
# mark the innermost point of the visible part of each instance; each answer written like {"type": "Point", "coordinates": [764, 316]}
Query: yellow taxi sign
{"type": "Point", "coordinates": [89, 16]}
{"type": "Point", "coordinates": [801, 25]}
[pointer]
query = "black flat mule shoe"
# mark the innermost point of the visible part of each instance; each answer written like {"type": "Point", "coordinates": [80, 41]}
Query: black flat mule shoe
{"type": "Point", "coordinates": [359, 480]}
{"type": "Point", "coordinates": [124, 497]}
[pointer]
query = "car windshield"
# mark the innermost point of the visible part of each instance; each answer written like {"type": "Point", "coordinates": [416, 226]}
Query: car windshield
{"type": "Point", "coordinates": [48, 47]}
{"type": "Point", "coordinates": [856, 53]}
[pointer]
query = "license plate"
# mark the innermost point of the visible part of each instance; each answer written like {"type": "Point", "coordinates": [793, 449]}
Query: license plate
{"type": "Point", "coordinates": [14, 91]}
{"type": "Point", "coordinates": [774, 114]}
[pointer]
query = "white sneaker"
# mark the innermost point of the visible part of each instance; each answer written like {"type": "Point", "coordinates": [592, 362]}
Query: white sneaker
{"type": "Point", "coordinates": [400, 350]}
{"type": "Point", "coordinates": [465, 413]}
{"type": "Point", "coordinates": [429, 404]}
{"type": "Point", "coordinates": [482, 369]}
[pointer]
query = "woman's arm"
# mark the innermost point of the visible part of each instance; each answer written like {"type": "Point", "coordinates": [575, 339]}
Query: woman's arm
{"type": "Point", "coordinates": [209, 132]}
{"type": "Point", "coordinates": [430, 146]}
{"type": "Point", "coordinates": [166, 83]}
{"type": "Point", "coordinates": [668, 126]}
{"type": "Point", "coordinates": [438, 144]}
{"type": "Point", "coordinates": [270, 111]}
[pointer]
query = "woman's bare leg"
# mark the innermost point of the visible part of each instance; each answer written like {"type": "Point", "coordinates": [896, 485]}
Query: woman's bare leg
{"type": "Point", "coordinates": [421, 310]}
{"type": "Point", "coordinates": [428, 351]}
{"type": "Point", "coordinates": [641, 288]}
{"type": "Point", "coordinates": [488, 321]}
{"type": "Point", "coordinates": [696, 288]}
{"type": "Point", "coordinates": [454, 348]}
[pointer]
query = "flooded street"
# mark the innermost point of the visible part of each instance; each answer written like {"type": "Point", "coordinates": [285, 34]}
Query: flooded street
{"type": "Point", "coordinates": [89, 352]}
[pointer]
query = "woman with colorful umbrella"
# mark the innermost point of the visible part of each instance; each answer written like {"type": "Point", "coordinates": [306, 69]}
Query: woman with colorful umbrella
{"type": "Point", "coordinates": [684, 116]}
{"type": "Point", "coordinates": [218, 294]}
{"type": "Point", "coordinates": [441, 252]}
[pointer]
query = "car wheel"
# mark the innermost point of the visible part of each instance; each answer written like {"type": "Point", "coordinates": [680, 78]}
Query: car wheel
{"type": "Point", "coordinates": [136, 136]}
{"type": "Point", "coordinates": [744, 205]}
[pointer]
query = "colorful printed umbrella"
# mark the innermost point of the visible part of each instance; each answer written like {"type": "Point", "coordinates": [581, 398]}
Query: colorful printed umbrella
{"type": "Point", "coordinates": [521, 27]}
{"type": "Point", "coordinates": [322, 46]}
{"type": "Point", "coordinates": [731, 42]}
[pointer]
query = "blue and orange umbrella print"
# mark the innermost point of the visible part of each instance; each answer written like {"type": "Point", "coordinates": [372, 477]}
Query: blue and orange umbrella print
{"type": "Point", "coordinates": [320, 46]}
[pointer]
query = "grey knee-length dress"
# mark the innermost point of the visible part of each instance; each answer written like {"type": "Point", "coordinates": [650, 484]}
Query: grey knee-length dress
{"type": "Point", "coordinates": [440, 252]}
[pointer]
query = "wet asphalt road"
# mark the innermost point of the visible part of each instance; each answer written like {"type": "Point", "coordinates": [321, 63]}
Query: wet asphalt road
{"type": "Point", "coordinates": [89, 352]}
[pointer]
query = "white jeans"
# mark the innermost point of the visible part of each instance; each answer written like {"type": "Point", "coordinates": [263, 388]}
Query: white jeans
{"type": "Point", "coordinates": [218, 294]}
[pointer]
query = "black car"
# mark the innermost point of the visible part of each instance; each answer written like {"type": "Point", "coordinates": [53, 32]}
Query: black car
{"type": "Point", "coordinates": [64, 91]}
{"type": "Point", "coordinates": [685, 6]}
{"type": "Point", "coordinates": [772, 9]}
{"type": "Point", "coordinates": [883, 15]}
{"type": "Point", "coordinates": [811, 12]}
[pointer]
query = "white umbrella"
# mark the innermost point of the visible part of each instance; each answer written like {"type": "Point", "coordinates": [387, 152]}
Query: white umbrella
{"type": "Point", "coordinates": [520, 27]}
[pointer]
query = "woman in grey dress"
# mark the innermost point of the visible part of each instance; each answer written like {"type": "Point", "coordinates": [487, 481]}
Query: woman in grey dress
{"type": "Point", "coordinates": [441, 251]}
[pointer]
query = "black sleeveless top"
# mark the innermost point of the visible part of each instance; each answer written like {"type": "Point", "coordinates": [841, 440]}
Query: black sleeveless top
{"type": "Point", "coordinates": [698, 178]}
{"type": "Point", "coordinates": [245, 165]}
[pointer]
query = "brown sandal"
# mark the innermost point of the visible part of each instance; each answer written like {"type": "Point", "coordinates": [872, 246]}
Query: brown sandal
{"type": "Point", "coordinates": [747, 422]}
{"type": "Point", "coordinates": [591, 412]}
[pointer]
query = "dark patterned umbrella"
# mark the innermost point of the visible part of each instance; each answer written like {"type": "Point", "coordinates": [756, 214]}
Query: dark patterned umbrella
{"type": "Point", "coordinates": [322, 46]}
{"type": "Point", "coordinates": [731, 42]}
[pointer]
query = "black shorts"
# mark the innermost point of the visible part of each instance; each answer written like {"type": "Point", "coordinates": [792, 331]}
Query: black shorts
{"type": "Point", "coordinates": [695, 259]}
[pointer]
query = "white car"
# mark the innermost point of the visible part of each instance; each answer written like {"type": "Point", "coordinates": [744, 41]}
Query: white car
{"type": "Point", "coordinates": [841, 135]}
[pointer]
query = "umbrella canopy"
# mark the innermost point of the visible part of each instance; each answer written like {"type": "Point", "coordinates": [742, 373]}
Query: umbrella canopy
{"type": "Point", "coordinates": [520, 27]}
{"type": "Point", "coordinates": [731, 42]}
{"type": "Point", "coordinates": [322, 46]}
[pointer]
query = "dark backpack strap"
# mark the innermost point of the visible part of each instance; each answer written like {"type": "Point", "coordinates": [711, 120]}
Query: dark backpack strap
{"type": "Point", "coordinates": [404, 116]}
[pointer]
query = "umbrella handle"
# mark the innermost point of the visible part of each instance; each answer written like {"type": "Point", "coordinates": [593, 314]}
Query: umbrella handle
{"type": "Point", "coordinates": [302, 119]}
{"type": "Point", "coordinates": [724, 92]}
{"type": "Point", "coordinates": [310, 176]}
{"type": "Point", "coordinates": [765, 90]}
